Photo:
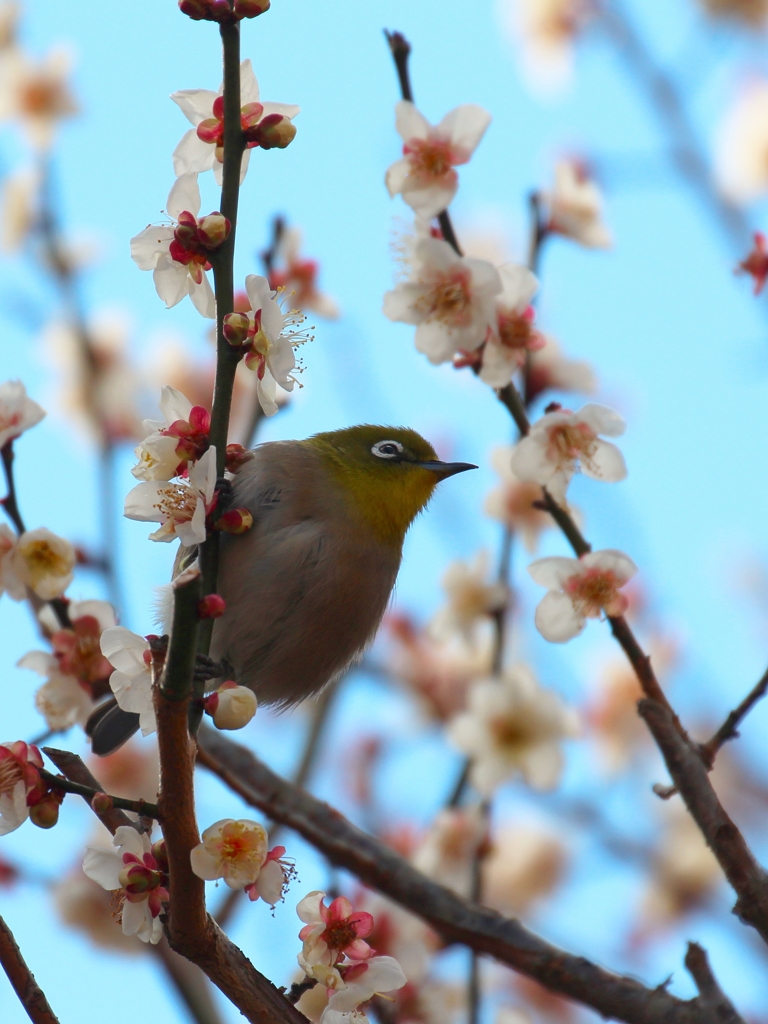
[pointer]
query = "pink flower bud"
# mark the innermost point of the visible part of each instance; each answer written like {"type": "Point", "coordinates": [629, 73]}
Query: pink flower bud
{"type": "Point", "coordinates": [237, 520]}
{"type": "Point", "coordinates": [235, 707]}
{"type": "Point", "coordinates": [212, 606]}
{"type": "Point", "coordinates": [160, 854]}
{"type": "Point", "coordinates": [101, 803]}
{"type": "Point", "coordinates": [236, 457]}
{"type": "Point", "coordinates": [236, 326]}
{"type": "Point", "coordinates": [206, 10]}
{"type": "Point", "coordinates": [250, 8]}
{"type": "Point", "coordinates": [138, 880]}
{"type": "Point", "coordinates": [275, 131]}
{"type": "Point", "coordinates": [45, 813]}
{"type": "Point", "coordinates": [213, 230]}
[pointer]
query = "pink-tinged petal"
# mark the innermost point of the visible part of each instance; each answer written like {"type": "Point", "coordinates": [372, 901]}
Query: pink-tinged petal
{"type": "Point", "coordinates": [465, 127]}
{"type": "Point", "coordinates": [396, 174]}
{"type": "Point", "coordinates": [192, 155]}
{"type": "Point", "coordinates": [556, 618]}
{"type": "Point", "coordinates": [428, 202]}
{"type": "Point", "coordinates": [359, 950]}
{"type": "Point", "coordinates": [149, 245]}
{"type": "Point", "coordinates": [410, 122]}
{"type": "Point", "coordinates": [289, 110]}
{"type": "Point", "coordinates": [529, 461]}
{"type": "Point", "coordinates": [611, 560]}
{"type": "Point", "coordinates": [195, 104]}
{"type": "Point", "coordinates": [363, 923]}
{"type": "Point", "coordinates": [553, 572]}
{"type": "Point", "coordinates": [171, 281]}
{"type": "Point", "coordinates": [184, 195]}
{"type": "Point", "coordinates": [519, 286]}
{"type": "Point", "coordinates": [308, 909]}
{"type": "Point", "coordinates": [438, 344]}
{"type": "Point", "coordinates": [602, 419]}
{"type": "Point", "coordinates": [484, 275]}
{"type": "Point", "coordinates": [249, 86]}
{"type": "Point", "coordinates": [339, 910]}
{"type": "Point", "coordinates": [606, 463]}
{"type": "Point", "coordinates": [203, 298]}
{"type": "Point", "coordinates": [499, 363]}
{"type": "Point", "coordinates": [270, 883]}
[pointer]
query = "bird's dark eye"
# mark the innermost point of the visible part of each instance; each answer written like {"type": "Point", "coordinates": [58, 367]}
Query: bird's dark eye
{"type": "Point", "coordinates": [387, 449]}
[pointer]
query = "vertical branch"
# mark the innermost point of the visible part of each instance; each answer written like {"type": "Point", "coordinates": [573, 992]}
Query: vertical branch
{"type": "Point", "coordinates": [31, 996]}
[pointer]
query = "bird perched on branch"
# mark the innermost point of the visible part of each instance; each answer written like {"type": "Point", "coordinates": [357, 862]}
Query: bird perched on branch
{"type": "Point", "coordinates": [306, 587]}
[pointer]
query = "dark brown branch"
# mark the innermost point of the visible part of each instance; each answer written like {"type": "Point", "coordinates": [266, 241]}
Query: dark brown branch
{"type": "Point", "coordinates": [30, 995]}
{"type": "Point", "coordinates": [140, 807]}
{"type": "Point", "coordinates": [691, 777]}
{"type": "Point", "coordinates": [729, 729]}
{"type": "Point", "coordinates": [710, 993]}
{"type": "Point", "coordinates": [455, 919]}
{"type": "Point", "coordinates": [72, 767]}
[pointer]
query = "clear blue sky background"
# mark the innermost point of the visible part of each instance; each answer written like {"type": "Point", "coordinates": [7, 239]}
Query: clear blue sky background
{"type": "Point", "coordinates": [678, 342]}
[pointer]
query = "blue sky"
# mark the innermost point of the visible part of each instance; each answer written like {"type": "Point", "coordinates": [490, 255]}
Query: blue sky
{"type": "Point", "coordinates": [678, 343]}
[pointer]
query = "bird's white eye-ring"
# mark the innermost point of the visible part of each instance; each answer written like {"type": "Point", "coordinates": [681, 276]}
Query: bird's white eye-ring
{"type": "Point", "coordinates": [387, 449]}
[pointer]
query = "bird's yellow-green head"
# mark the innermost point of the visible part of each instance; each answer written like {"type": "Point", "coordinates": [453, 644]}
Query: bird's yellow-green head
{"type": "Point", "coordinates": [388, 474]}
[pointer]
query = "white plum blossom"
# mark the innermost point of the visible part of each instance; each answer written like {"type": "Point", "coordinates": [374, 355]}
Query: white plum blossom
{"type": "Point", "coordinates": [580, 589]}
{"type": "Point", "coordinates": [9, 582]}
{"type": "Point", "coordinates": [37, 95]}
{"type": "Point", "coordinates": [43, 562]}
{"type": "Point", "coordinates": [298, 278]}
{"type": "Point", "coordinates": [742, 143]}
{"type": "Point", "coordinates": [513, 335]}
{"type": "Point", "coordinates": [173, 441]}
{"type": "Point", "coordinates": [364, 980]}
{"type": "Point", "coordinates": [61, 700]}
{"type": "Point", "coordinates": [449, 297]}
{"type": "Point", "coordinates": [181, 507]}
{"type": "Point", "coordinates": [576, 206]}
{"type": "Point", "coordinates": [546, 32]}
{"type": "Point", "coordinates": [201, 147]}
{"type": "Point", "coordinates": [512, 726]}
{"type": "Point", "coordinates": [511, 502]}
{"type": "Point", "coordinates": [19, 776]}
{"type": "Point", "coordinates": [562, 441]}
{"type": "Point", "coordinates": [270, 343]}
{"type": "Point", "coordinates": [424, 175]}
{"type": "Point", "coordinates": [17, 411]}
{"type": "Point", "coordinates": [549, 369]}
{"type": "Point", "coordinates": [238, 852]}
{"type": "Point", "coordinates": [131, 682]}
{"type": "Point", "coordinates": [151, 250]}
{"type": "Point", "coordinates": [471, 597]}
{"type": "Point", "coordinates": [132, 870]}
{"type": "Point", "coordinates": [447, 852]}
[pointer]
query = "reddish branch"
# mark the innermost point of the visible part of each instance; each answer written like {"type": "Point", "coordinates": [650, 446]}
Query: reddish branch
{"type": "Point", "coordinates": [691, 777]}
{"type": "Point", "coordinates": [455, 919]}
{"type": "Point", "coordinates": [31, 996]}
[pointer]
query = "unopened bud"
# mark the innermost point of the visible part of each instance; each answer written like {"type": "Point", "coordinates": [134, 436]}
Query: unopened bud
{"type": "Point", "coordinates": [212, 606]}
{"type": "Point", "coordinates": [101, 803]}
{"type": "Point", "coordinates": [206, 10]}
{"type": "Point", "coordinates": [250, 8]}
{"type": "Point", "coordinates": [213, 229]}
{"type": "Point", "coordinates": [236, 327]}
{"type": "Point", "coordinates": [235, 707]}
{"type": "Point", "coordinates": [275, 131]}
{"type": "Point", "coordinates": [45, 812]}
{"type": "Point", "coordinates": [237, 520]}
{"type": "Point", "coordinates": [186, 229]}
{"type": "Point", "coordinates": [236, 457]}
{"type": "Point", "coordinates": [137, 880]}
{"type": "Point", "coordinates": [160, 854]}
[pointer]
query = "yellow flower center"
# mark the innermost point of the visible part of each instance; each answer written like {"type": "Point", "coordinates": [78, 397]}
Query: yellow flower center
{"type": "Point", "coordinates": [429, 158]}
{"type": "Point", "coordinates": [568, 443]}
{"type": "Point", "coordinates": [240, 844]}
{"type": "Point", "coordinates": [42, 561]}
{"type": "Point", "coordinates": [177, 502]}
{"type": "Point", "coordinates": [592, 591]}
{"type": "Point", "coordinates": [449, 299]}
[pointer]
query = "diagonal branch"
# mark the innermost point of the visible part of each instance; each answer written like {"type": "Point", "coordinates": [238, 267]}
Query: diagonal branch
{"type": "Point", "coordinates": [729, 730]}
{"type": "Point", "coordinates": [455, 919]}
{"type": "Point", "coordinates": [31, 996]}
{"type": "Point", "coordinates": [710, 993]}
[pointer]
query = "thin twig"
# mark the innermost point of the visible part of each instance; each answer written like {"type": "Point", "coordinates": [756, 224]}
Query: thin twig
{"type": "Point", "coordinates": [710, 993]}
{"type": "Point", "coordinates": [140, 807]}
{"type": "Point", "coordinates": [72, 767]}
{"type": "Point", "coordinates": [729, 729]}
{"type": "Point", "coordinates": [31, 996]}
{"type": "Point", "coordinates": [454, 918]}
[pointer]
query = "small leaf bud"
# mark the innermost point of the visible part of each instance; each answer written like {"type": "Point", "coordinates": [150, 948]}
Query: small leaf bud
{"type": "Point", "coordinates": [236, 457]}
{"type": "Point", "coordinates": [237, 520]}
{"type": "Point", "coordinates": [236, 327]}
{"type": "Point", "coordinates": [212, 606]}
{"type": "Point", "coordinates": [102, 803]}
{"type": "Point", "coordinates": [213, 229]}
{"type": "Point", "coordinates": [275, 131]}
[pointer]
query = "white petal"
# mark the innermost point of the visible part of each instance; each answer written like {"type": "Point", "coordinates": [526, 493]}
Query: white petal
{"type": "Point", "coordinates": [38, 661]}
{"type": "Point", "coordinates": [289, 110]}
{"type": "Point", "coordinates": [270, 882]}
{"type": "Point", "coordinates": [556, 618]}
{"type": "Point", "coordinates": [399, 304]}
{"type": "Point", "coordinates": [602, 419]}
{"type": "Point", "coordinates": [184, 195]}
{"type": "Point", "coordinates": [103, 867]}
{"type": "Point", "coordinates": [174, 405]}
{"type": "Point", "coordinates": [429, 202]}
{"type": "Point", "coordinates": [519, 286]}
{"type": "Point", "coordinates": [149, 245]}
{"type": "Point", "coordinates": [438, 255]}
{"type": "Point", "coordinates": [203, 298]}
{"type": "Point", "coordinates": [172, 281]}
{"type": "Point", "coordinates": [141, 503]}
{"type": "Point", "coordinates": [308, 909]}
{"type": "Point", "coordinates": [484, 276]}
{"type": "Point", "coordinates": [281, 361]}
{"type": "Point", "coordinates": [499, 363]}
{"type": "Point", "coordinates": [465, 126]}
{"type": "Point", "coordinates": [553, 572]}
{"type": "Point", "coordinates": [258, 291]}
{"type": "Point", "coordinates": [124, 650]}
{"type": "Point", "coordinates": [611, 560]}
{"type": "Point", "coordinates": [410, 122]}
{"type": "Point", "coordinates": [437, 343]}
{"type": "Point", "coordinates": [249, 86]}
{"type": "Point", "coordinates": [542, 765]}
{"type": "Point", "coordinates": [195, 104]}
{"type": "Point", "coordinates": [192, 155]}
{"type": "Point", "coordinates": [606, 463]}
{"type": "Point", "coordinates": [204, 864]}
{"type": "Point", "coordinates": [396, 175]}
{"type": "Point", "coordinates": [266, 389]}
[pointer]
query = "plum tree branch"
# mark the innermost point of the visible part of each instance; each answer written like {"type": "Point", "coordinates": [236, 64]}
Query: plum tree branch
{"type": "Point", "coordinates": [455, 919]}
{"type": "Point", "coordinates": [22, 980]}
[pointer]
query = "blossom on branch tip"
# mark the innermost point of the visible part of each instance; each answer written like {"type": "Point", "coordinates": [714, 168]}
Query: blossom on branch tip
{"type": "Point", "coordinates": [448, 851]}
{"type": "Point", "coordinates": [424, 175]}
{"type": "Point", "coordinates": [513, 726]}
{"type": "Point", "coordinates": [172, 443]}
{"type": "Point", "coordinates": [549, 369]}
{"type": "Point", "coordinates": [131, 682]}
{"type": "Point", "coordinates": [37, 95]}
{"type": "Point", "coordinates": [17, 411]}
{"type": "Point", "coordinates": [19, 780]}
{"type": "Point", "coordinates": [333, 932]}
{"type": "Point", "coordinates": [133, 870]}
{"type": "Point", "coordinates": [562, 441]}
{"type": "Point", "coordinates": [576, 206]}
{"type": "Point", "coordinates": [360, 982]}
{"type": "Point", "coordinates": [513, 335]}
{"type": "Point", "coordinates": [450, 298]}
{"type": "Point", "coordinates": [264, 124]}
{"type": "Point", "coordinates": [61, 700]}
{"type": "Point", "coordinates": [471, 597]}
{"type": "Point", "coordinates": [181, 507]}
{"type": "Point", "coordinates": [580, 589]}
{"type": "Point", "coordinates": [177, 253]}
{"type": "Point", "coordinates": [546, 31]}
{"type": "Point", "coordinates": [298, 278]}
{"type": "Point", "coordinates": [238, 852]}
{"type": "Point", "coordinates": [43, 562]}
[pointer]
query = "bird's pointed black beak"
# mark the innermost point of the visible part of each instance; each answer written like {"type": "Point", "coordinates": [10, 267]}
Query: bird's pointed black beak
{"type": "Point", "coordinates": [445, 469]}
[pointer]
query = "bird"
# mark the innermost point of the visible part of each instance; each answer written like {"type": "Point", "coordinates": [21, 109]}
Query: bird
{"type": "Point", "coordinates": [306, 587]}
